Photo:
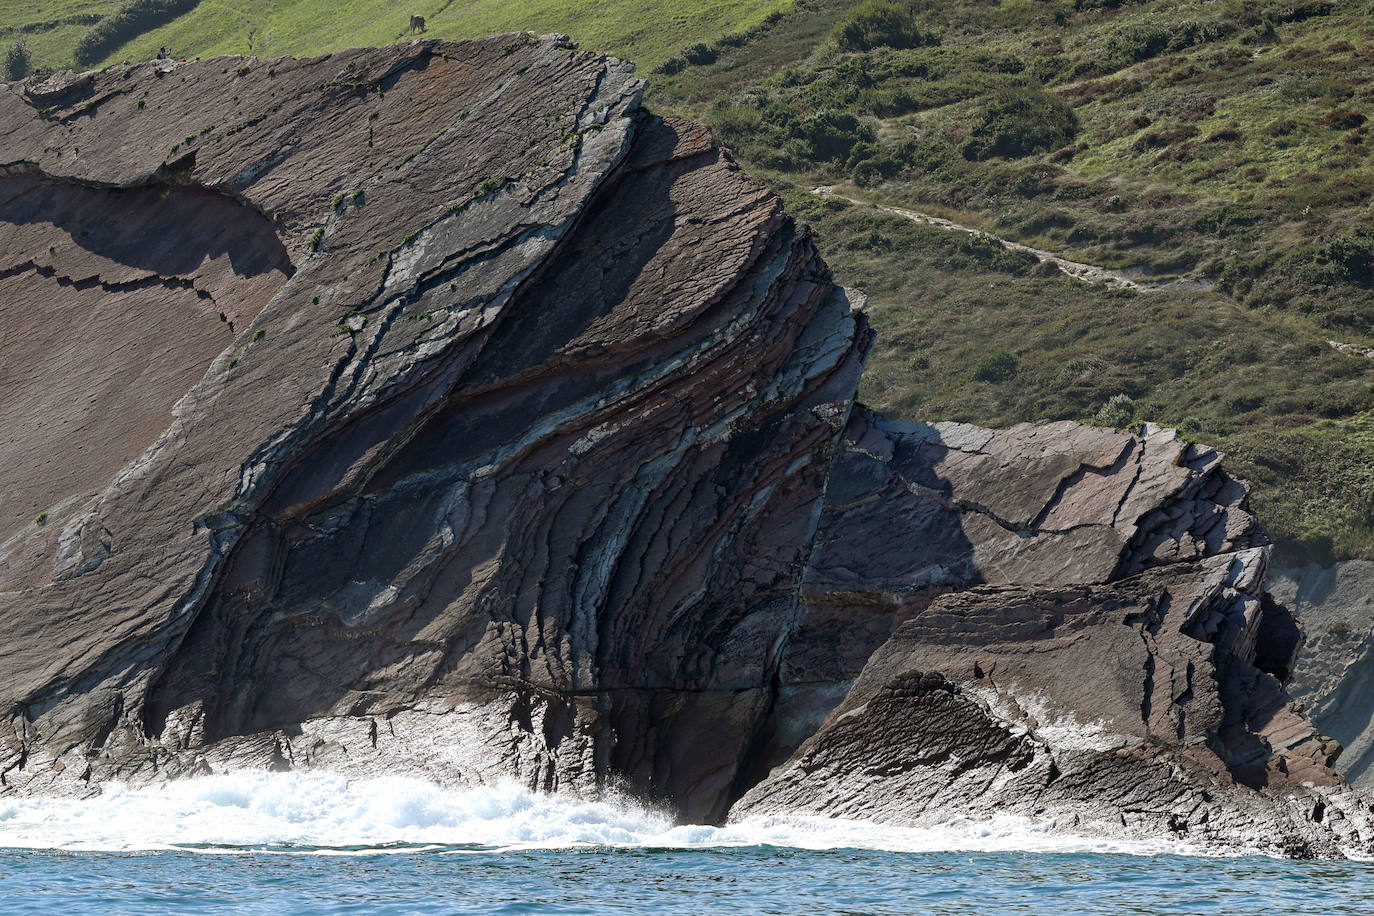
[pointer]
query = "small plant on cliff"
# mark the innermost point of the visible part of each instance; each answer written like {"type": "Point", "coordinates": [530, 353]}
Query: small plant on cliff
{"type": "Point", "coordinates": [997, 366]}
{"type": "Point", "coordinates": [18, 61]}
{"type": "Point", "coordinates": [1118, 412]}
{"type": "Point", "coordinates": [42, 519]}
{"type": "Point", "coordinates": [316, 239]}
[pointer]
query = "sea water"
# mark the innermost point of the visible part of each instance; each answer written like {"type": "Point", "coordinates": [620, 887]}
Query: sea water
{"type": "Point", "coordinates": [311, 843]}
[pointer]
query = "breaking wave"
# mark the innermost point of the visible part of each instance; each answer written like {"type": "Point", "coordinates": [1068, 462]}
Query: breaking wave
{"type": "Point", "coordinates": [328, 814]}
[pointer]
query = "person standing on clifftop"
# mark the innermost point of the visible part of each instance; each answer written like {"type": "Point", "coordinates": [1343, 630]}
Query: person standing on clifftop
{"type": "Point", "coordinates": [162, 54]}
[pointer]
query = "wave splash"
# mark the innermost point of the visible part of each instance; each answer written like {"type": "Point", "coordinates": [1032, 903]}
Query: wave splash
{"type": "Point", "coordinates": [328, 814]}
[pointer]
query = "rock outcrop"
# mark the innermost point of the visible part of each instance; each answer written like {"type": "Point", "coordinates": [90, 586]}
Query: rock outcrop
{"type": "Point", "coordinates": [513, 429]}
{"type": "Point", "coordinates": [1335, 675]}
{"type": "Point", "coordinates": [436, 409]}
{"type": "Point", "coordinates": [1063, 622]}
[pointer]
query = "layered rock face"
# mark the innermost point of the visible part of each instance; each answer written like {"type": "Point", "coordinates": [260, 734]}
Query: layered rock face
{"type": "Point", "coordinates": [1056, 621]}
{"type": "Point", "coordinates": [435, 409]}
{"type": "Point", "coordinates": [508, 450]}
{"type": "Point", "coordinates": [1335, 675]}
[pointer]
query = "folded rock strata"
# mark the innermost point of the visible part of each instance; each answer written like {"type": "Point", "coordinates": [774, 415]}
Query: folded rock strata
{"type": "Point", "coordinates": [508, 448]}
{"type": "Point", "coordinates": [436, 409]}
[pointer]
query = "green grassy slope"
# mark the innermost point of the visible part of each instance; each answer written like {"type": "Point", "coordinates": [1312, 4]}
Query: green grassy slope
{"type": "Point", "coordinates": [1225, 140]}
{"type": "Point", "coordinates": [50, 27]}
{"type": "Point", "coordinates": [647, 30]}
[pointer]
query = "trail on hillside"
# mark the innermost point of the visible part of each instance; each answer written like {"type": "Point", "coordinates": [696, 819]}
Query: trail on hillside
{"type": "Point", "coordinates": [1088, 273]}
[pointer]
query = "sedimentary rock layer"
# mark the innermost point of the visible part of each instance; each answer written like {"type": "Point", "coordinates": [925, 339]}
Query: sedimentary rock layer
{"type": "Point", "coordinates": [509, 452]}
{"type": "Point", "coordinates": [436, 409]}
{"type": "Point", "coordinates": [1334, 679]}
{"type": "Point", "coordinates": [1062, 622]}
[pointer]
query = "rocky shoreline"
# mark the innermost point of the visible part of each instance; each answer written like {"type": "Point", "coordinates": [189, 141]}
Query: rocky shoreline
{"type": "Point", "coordinates": [453, 415]}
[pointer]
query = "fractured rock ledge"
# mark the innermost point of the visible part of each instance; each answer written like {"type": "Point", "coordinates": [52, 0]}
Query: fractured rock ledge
{"type": "Point", "coordinates": [1062, 622]}
{"type": "Point", "coordinates": [436, 409]}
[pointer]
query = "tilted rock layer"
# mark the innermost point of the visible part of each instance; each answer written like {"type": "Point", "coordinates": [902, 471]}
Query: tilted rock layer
{"type": "Point", "coordinates": [1335, 675]}
{"type": "Point", "coordinates": [436, 409]}
{"type": "Point", "coordinates": [1063, 622]}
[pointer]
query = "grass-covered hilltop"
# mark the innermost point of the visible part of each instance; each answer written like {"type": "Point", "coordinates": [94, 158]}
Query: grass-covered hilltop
{"type": "Point", "coordinates": [1215, 153]}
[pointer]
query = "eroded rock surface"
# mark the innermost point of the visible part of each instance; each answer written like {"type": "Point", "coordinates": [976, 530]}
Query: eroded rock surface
{"type": "Point", "coordinates": [1335, 675]}
{"type": "Point", "coordinates": [515, 475]}
{"type": "Point", "coordinates": [1070, 624]}
{"type": "Point", "coordinates": [436, 409]}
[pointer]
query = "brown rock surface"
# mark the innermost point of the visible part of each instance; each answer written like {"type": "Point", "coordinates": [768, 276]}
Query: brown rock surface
{"type": "Point", "coordinates": [1070, 624]}
{"type": "Point", "coordinates": [527, 451]}
{"type": "Point", "coordinates": [435, 409]}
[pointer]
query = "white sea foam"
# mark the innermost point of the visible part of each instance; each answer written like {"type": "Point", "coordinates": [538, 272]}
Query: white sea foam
{"type": "Point", "coordinates": [325, 813]}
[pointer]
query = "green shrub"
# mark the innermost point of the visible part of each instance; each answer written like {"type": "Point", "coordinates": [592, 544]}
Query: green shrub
{"type": "Point", "coordinates": [131, 19]}
{"type": "Point", "coordinates": [874, 169]}
{"type": "Point", "coordinates": [832, 135]}
{"type": "Point", "coordinates": [1118, 412]}
{"type": "Point", "coordinates": [18, 61]}
{"type": "Point", "coordinates": [1019, 122]}
{"type": "Point", "coordinates": [699, 54]}
{"type": "Point", "coordinates": [1137, 41]}
{"type": "Point", "coordinates": [997, 366]}
{"type": "Point", "coordinates": [881, 22]}
{"type": "Point", "coordinates": [1190, 32]}
{"type": "Point", "coordinates": [1346, 259]}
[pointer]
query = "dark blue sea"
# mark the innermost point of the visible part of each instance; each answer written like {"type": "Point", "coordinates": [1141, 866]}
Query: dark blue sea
{"type": "Point", "coordinates": [317, 844]}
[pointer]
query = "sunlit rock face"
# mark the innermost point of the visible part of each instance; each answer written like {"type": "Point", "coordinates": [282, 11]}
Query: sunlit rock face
{"type": "Point", "coordinates": [436, 409]}
{"type": "Point", "coordinates": [1059, 622]}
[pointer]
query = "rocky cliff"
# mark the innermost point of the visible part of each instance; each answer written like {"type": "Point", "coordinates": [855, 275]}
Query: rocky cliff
{"type": "Point", "coordinates": [1064, 622]}
{"type": "Point", "coordinates": [1335, 673]}
{"type": "Point", "coordinates": [436, 409]}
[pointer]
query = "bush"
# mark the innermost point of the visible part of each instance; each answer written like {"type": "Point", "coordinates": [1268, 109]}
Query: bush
{"type": "Point", "coordinates": [1137, 41]}
{"type": "Point", "coordinates": [832, 135]}
{"type": "Point", "coordinates": [997, 366]}
{"type": "Point", "coordinates": [1019, 122]}
{"type": "Point", "coordinates": [1342, 119]}
{"type": "Point", "coordinates": [874, 169]}
{"type": "Point", "coordinates": [131, 19]}
{"type": "Point", "coordinates": [18, 62]}
{"type": "Point", "coordinates": [1118, 412]}
{"type": "Point", "coordinates": [1347, 258]}
{"type": "Point", "coordinates": [699, 54]}
{"type": "Point", "coordinates": [881, 22]}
